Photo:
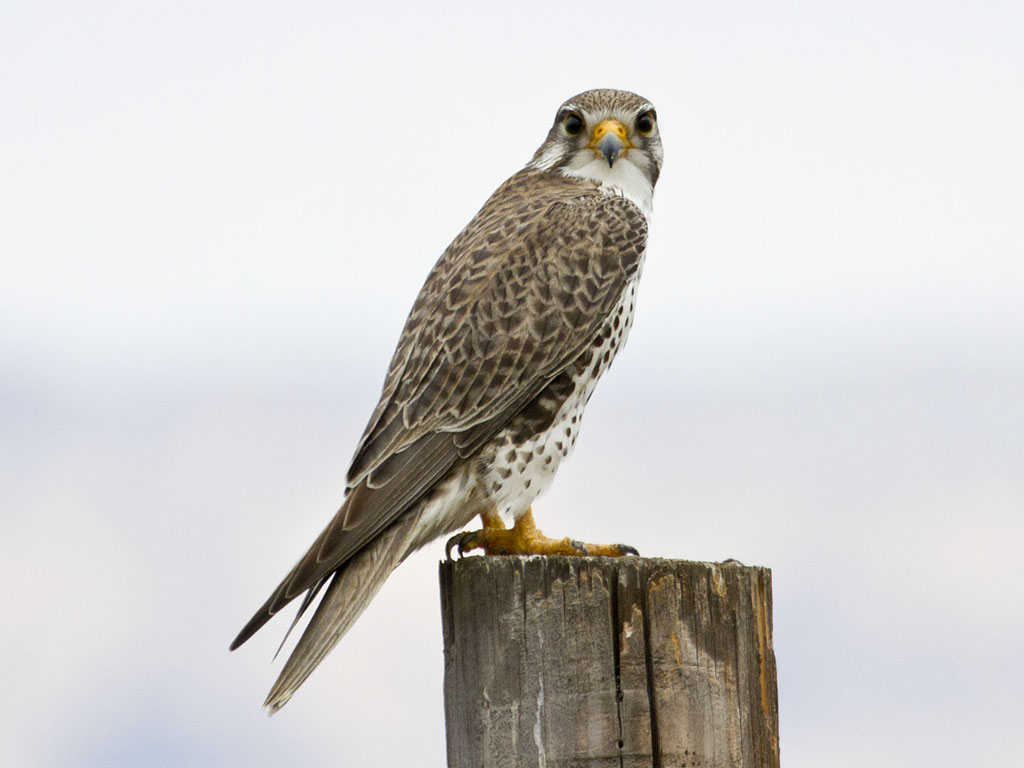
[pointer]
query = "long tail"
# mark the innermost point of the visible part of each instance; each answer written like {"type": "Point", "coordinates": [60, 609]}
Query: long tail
{"type": "Point", "coordinates": [350, 591]}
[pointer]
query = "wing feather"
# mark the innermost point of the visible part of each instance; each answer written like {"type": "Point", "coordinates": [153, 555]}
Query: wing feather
{"type": "Point", "coordinates": [515, 299]}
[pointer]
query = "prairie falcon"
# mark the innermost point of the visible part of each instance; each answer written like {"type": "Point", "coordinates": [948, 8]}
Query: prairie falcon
{"type": "Point", "coordinates": [502, 349]}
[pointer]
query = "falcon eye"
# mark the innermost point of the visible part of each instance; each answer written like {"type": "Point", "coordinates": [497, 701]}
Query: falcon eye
{"type": "Point", "coordinates": [573, 124]}
{"type": "Point", "coordinates": [645, 123]}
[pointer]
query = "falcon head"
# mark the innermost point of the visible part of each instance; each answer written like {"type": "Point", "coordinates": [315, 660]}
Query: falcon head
{"type": "Point", "coordinates": [607, 136]}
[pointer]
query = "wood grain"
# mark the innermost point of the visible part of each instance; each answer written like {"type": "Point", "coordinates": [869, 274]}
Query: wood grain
{"type": "Point", "coordinates": [619, 663]}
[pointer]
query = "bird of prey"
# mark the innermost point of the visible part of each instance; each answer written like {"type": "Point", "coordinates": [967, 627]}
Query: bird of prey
{"type": "Point", "coordinates": [484, 395]}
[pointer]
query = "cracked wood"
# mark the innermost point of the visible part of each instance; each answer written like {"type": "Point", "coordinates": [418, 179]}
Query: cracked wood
{"type": "Point", "coordinates": [619, 663]}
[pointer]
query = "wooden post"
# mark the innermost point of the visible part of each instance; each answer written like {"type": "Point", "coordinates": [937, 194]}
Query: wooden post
{"type": "Point", "coordinates": [594, 662]}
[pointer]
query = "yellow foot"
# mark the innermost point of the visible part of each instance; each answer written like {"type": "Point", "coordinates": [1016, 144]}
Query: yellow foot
{"type": "Point", "coordinates": [524, 538]}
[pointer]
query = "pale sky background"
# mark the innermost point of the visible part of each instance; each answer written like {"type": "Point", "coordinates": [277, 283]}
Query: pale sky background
{"type": "Point", "coordinates": [214, 217]}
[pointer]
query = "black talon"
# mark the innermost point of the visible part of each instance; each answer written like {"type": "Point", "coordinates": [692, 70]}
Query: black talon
{"type": "Point", "coordinates": [460, 539]}
{"type": "Point", "coordinates": [627, 550]}
{"type": "Point", "coordinates": [448, 546]}
{"type": "Point", "coordinates": [579, 545]}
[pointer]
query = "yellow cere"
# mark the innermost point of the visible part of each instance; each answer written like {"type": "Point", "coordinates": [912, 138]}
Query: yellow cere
{"type": "Point", "coordinates": [610, 126]}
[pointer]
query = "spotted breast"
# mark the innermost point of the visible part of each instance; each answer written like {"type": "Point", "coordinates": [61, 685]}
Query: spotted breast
{"type": "Point", "coordinates": [521, 461]}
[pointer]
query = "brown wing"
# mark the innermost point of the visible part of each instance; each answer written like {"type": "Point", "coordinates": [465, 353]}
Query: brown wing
{"type": "Point", "coordinates": [515, 298]}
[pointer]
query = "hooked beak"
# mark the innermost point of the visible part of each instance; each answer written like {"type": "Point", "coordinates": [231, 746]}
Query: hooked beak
{"type": "Point", "coordinates": [609, 139]}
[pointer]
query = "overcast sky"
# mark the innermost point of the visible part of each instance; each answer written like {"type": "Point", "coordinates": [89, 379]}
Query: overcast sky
{"type": "Point", "coordinates": [214, 217]}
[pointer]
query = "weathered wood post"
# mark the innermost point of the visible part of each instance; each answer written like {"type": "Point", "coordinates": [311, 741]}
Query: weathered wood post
{"type": "Point", "coordinates": [593, 662]}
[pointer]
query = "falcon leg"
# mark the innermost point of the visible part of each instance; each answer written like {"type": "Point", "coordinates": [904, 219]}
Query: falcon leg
{"type": "Point", "coordinates": [525, 538]}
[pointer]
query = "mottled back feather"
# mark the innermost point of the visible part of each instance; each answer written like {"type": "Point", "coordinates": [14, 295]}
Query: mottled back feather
{"type": "Point", "coordinates": [514, 299]}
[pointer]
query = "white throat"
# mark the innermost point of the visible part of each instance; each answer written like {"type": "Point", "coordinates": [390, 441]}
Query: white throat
{"type": "Point", "coordinates": [623, 179]}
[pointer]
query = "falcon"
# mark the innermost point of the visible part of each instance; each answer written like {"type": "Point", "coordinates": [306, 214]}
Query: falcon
{"type": "Point", "coordinates": [484, 396]}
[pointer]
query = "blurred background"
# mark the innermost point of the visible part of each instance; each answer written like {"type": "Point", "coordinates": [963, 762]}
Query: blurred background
{"type": "Point", "coordinates": [216, 215]}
